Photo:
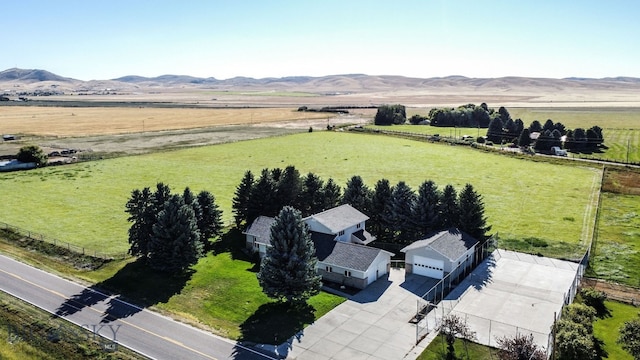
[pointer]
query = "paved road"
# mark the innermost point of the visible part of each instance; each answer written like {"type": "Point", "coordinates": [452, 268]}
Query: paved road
{"type": "Point", "coordinates": [143, 331]}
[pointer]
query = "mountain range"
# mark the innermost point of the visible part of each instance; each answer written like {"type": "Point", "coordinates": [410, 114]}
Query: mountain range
{"type": "Point", "coordinates": [347, 82]}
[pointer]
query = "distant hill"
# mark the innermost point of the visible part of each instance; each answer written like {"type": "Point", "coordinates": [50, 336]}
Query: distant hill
{"type": "Point", "coordinates": [332, 84]}
{"type": "Point", "coordinates": [29, 76]}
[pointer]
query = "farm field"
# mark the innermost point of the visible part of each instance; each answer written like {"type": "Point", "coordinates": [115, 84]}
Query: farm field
{"type": "Point", "coordinates": [618, 238]}
{"type": "Point", "coordinates": [84, 121]}
{"type": "Point", "coordinates": [84, 203]}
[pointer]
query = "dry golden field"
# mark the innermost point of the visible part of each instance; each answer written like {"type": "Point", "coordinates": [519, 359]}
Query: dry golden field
{"type": "Point", "coordinates": [85, 121]}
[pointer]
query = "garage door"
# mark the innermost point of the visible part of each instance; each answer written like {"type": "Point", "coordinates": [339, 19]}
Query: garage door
{"type": "Point", "coordinates": [428, 267]}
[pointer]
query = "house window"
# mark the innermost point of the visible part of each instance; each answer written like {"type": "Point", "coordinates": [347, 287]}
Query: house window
{"type": "Point", "coordinates": [359, 226]}
{"type": "Point", "coordinates": [328, 268]}
{"type": "Point", "coordinates": [347, 273]}
{"type": "Point", "coordinates": [341, 233]}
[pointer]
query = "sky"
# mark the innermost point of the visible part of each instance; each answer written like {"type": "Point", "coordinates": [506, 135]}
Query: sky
{"type": "Point", "coordinates": [99, 40]}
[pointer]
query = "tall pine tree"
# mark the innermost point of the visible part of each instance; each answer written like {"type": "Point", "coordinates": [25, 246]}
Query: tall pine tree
{"type": "Point", "coordinates": [288, 270]}
{"type": "Point", "coordinates": [426, 212]}
{"type": "Point", "coordinates": [262, 198]}
{"type": "Point", "coordinates": [138, 208]}
{"type": "Point", "coordinates": [175, 244]}
{"type": "Point", "coordinates": [288, 188]}
{"type": "Point", "coordinates": [210, 224]}
{"type": "Point", "coordinates": [471, 214]}
{"type": "Point", "coordinates": [401, 217]}
{"type": "Point", "coordinates": [241, 197]}
{"type": "Point", "coordinates": [311, 197]}
{"type": "Point", "coordinates": [358, 195]}
{"type": "Point", "coordinates": [332, 194]}
{"type": "Point", "coordinates": [380, 211]}
{"type": "Point", "coordinates": [448, 210]}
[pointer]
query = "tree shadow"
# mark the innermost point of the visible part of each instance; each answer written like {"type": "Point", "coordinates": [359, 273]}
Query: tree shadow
{"type": "Point", "coordinates": [598, 345]}
{"type": "Point", "coordinates": [137, 286]}
{"type": "Point", "coordinates": [276, 322]}
{"type": "Point", "coordinates": [233, 242]}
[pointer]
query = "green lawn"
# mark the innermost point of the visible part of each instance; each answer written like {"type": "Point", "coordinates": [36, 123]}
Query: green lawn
{"type": "Point", "coordinates": [618, 238]}
{"type": "Point", "coordinates": [472, 351]}
{"type": "Point", "coordinates": [222, 293]}
{"type": "Point", "coordinates": [84, 203]}
{"type": "Point", "coordinates": [607, 328]}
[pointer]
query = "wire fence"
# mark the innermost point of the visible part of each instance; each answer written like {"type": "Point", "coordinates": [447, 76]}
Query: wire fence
{"type": "Point", "coordinates": [62, 244]}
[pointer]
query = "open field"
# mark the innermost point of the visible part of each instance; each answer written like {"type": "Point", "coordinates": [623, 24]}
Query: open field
{"type": "Point", "coordinates": [618, 231]}
{"type": "Point", "coordinates": [84, 203]}
{"type": "Point", "coordinates": [85, 121]}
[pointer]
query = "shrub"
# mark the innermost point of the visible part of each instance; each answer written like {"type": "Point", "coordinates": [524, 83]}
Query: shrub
{"type": "Point", "coordinates": [594, 298]}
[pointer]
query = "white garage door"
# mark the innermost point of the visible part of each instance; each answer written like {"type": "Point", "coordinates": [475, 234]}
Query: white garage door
{"type": "Point", "coordinates": [428, 267]}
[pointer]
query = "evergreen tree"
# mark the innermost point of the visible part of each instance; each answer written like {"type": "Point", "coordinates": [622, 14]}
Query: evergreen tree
{"type": "Point", "coordinates": [262, 198]}
{"type": "Point", "coordinates": [548, 125]}
{"type": "Point", "coordinates": [426, 213]}
{"type": "Point", "coordinates": [190, 199]}
{"type": "Point", "coordinates": [357, 194]}
{"type": "Point", "coordinates": [494, 131]}
{"type": "Point", "coordinates": [401, 216]}
{"type": "Point", "coordinates": [311, 197]}
{"type": "Point", "coordinates": [241, 197]}
{"type": "Point", "coordinates": [471, 214]}
{"type": "Point", "coordinates": [175, 244]}
{"type": "Point", "coordinates": [332, 194]}
{"type": "Point", "coordinates": [381, 211]}
{"type": "Point", "coordinates": [448, 210]}
{"type": "Point", "coordinates": [524, 140]}
{"type": "Point", "coordinates": [140, 231]}
{"type": "Point", "coordinates": [210, 224]}
{"type": "Point", "coordinates": [288, 188]}
{"type": "Point", "coordinates": [535, 126]}
{"type": "Point", "coordinates": [288, 270]}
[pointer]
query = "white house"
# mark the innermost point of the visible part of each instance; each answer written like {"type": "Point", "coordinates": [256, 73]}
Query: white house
{"type": "Point", "coordinates": [440, 254]}
{"type": "Point", "coordinates": [344, 221]}
{"type": "Point", "coordinates": [340, 239]}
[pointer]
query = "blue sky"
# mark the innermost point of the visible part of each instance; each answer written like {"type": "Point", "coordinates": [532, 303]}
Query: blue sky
{"type": "Point", "coordinates": [89, 39]}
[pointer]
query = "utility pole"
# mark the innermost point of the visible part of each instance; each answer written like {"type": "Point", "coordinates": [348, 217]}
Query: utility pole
{"type": "Point", "coordinates": [628, 143]}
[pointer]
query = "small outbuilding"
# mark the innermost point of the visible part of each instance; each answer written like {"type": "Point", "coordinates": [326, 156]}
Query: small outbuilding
{"type": "Point", "coordinates": [440, 254]}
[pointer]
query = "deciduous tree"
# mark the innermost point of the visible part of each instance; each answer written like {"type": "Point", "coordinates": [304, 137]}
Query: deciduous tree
{"type": "Point", "coordinates": [32, 154]}
{"type": "Point", "coordinates": [520, 347]}
{"type": "Point", "coordinates": [629, 338]}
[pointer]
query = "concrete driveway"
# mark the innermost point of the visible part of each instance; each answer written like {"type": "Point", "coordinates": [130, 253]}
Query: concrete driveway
{"type": "Point", "coordinates": [373, 324]}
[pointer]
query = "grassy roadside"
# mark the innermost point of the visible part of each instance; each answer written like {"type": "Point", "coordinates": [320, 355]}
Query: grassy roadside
{"type": "Point", "coordinates": [27, 332]}
{"type": "Point", "coordinates": [221, 293]}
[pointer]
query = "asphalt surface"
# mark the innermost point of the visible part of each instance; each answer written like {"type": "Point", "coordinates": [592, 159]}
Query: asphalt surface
{"type": "Point", "coordinates": [141, 330]}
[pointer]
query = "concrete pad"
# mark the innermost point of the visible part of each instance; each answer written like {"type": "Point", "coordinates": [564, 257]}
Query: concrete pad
{"type": "Point", "coordinates": [513, 293]}
{"type": "Point", "coordinates": [351, 354]}
{"type": "Point", "coordinates": [341, 336]}
{"type": "Point", "coordinates": [364, 345]}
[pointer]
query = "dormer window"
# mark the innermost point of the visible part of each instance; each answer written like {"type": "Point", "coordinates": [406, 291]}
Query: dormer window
{"type": "Point", "coordinates": [341, 233]}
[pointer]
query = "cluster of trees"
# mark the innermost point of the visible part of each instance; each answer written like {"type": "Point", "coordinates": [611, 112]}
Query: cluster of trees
{"type": "Point", "coordinates": [277, 188]}
{"type": "Point", "coordinates": [505, 129]}
{"type": "Point", "coordinates": [390, 115]}
{"type": "Point", "coordinates": [398, 214]}
{"type": "Point", "coordinates": [469, 115]}
{"type": "Point", "coordinates": [172, 231]}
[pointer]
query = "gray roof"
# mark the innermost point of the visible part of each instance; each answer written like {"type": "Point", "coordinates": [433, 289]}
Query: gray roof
{"type": "Point", "coordinates": [451, 243]}
{"type": "Point", "coordinates": [261, 229]}
{"type": "Point", "coordinates": [342, 254]}
{"type": "Point", "coordinates": [340, 218]}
